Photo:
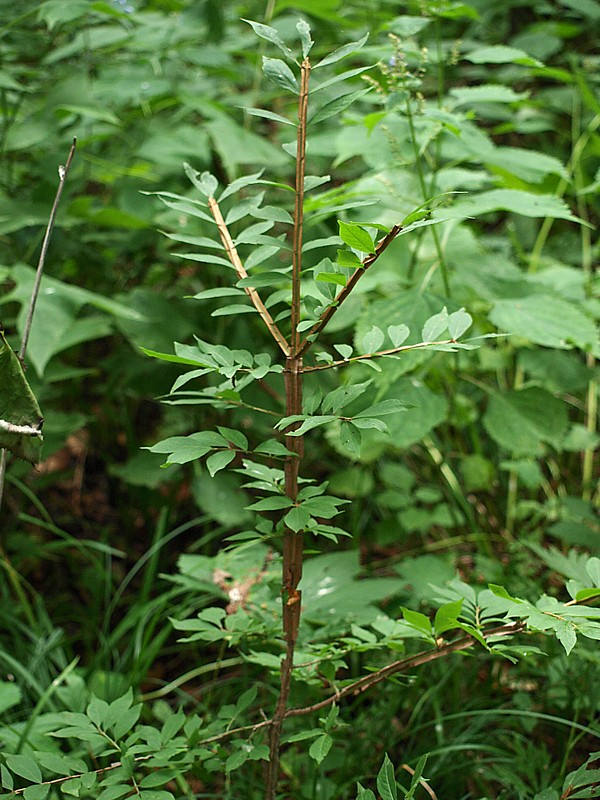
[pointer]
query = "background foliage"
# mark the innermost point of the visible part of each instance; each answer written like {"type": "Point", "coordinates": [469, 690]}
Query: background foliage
{"type": "Point", "coordinates": [490, 474]}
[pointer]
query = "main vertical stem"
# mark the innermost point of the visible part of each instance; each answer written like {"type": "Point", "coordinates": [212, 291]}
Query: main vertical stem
{"type": "Point", "coordinates": [293, 540]}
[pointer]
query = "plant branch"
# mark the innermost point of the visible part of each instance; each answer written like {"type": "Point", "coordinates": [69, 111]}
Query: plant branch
{"type": "Point", "coordinates": [379, 354]}
{"type": "Point", "coordinates": [235, 259]}
{"type": "Point", "coordinates": [382, 245]}
{"type": "Point", "coordinates": [293, 539]}
{"type": "Point", "coordinates": [63, 171]}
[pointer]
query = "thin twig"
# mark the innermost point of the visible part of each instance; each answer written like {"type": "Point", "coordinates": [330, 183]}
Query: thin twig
{"type": "Point", "coordinates": [422, 781]}
{"type": "Point", "coordinates": [62, 174]}
{"type": "Point", "coordinates": [235, 259]}
{"type": "Point", "coordinates": [382, 245]}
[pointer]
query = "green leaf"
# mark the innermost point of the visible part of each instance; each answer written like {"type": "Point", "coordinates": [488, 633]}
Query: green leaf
{"type": "Point", "coordinates": [546, 320]}
{"type": "Point", "coordinates": [386, 780]}
{"type": "Point", "coordinates": [501, 54]}
{"type": "Point", "coordinates": [521, 421]}
{"type": "Point", "coordinates": [348, 260]}
{"type": "Point", "coordinates": [261, 112]}
{"type": "Point", "coordinates": [206, 183]}
{"type": "Point", "coordinates": [24, 766]}
{"type": "Point", "coordinates": [182, 449]}
{"type": "Point", "coordinates": [219, 460]}
{"type": "Point", "coordinates": [337, 106]}
{"type": "Point", "coordinates": [435, 326]}
{"type": "Point", "coordinates": [398, 334]}
{"type": "Point", "coordinates": [514, 201]}
{"type": "Point", "coordinates": [372, 340]}
{"type": "Point", "coordinates": [342, 52]}
{"type": "Point", "coordinates": [274, 503]}
{"type": "Point", "coordinates": [271, 35]}
{"type": "Point", "coordinates": [351, 438]}
{"type": "Point", "coordinates": [356, 237]}
{"type": "Point", "coordinates": [391, 406]}
{"type": "Point", "coordinates": [364, 794]}
{"type": "Point", "coordinates": [297, 519]}
{"type": "Point", "coordinates": [20, 416]}
{"type": "Point", "coordinates": [306, 41]}
{"type": "Point", "coordinates": [446, 617]}
{"type": "Point", "coordinates": [36, 792]}
{"type": "Point", "coordinates": [278, 71]}
{"type": "Point", "coordinates": [320, 747]}
{"type": "Point", "coordinates": [459, 322]}
{"type": "Point", "coordinates": [486, 93]}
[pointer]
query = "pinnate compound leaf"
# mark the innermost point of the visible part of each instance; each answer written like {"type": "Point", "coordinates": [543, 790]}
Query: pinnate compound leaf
{"type": "Point", "coordinates": [278, 71]}
{"type": "Point", "coordinates": [342, 52]}
{"type": "Point", "coordinates": [18, 408]}
{"type": "Point", "coordinates": [386, 780]}
{"type": "Point", "coordinates": [271, 35]}
{"type": "Point", "coordinates": [182, 449]}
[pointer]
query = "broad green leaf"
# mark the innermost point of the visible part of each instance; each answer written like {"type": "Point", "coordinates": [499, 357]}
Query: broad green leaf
{"type": "Point", "coordinates": [486, 93]}
{"type": "Point", "coordinates": [521, 421]}
{"type": "Point", "coordinates": [383, 408]}
{"type": "Point", "coordinates": [546, 320]}
{"type": "Point", "coordinates": [386, 780]}
{"type": "Point", "coordinates": [459, 322]}
{"type": "Point", "coordinates": [219, 460]}
{"type": "Point", "coordinates": [345, 350]}
{"type": "Point", "coordinates": [343, 76]}
{"type": "Point", "coordinates": [501, 54]}
{"type": "Point", "coordinates": [514, 201]}
{"type": "Point", "coordinates": [39, 792]}
{"type": "Point", "coordinates": [271, 35]}
{"type": "Point", "coordinates": [20, 416]}
{"type": "Point", "coordinates": [10, 695]}
{"type": "Point", "coordinates": [297, 519]}
{"type": "Point", "coordinates": [446, 617]}
{"type": "Point", "coordinates": [435, 326]}
{"type": "Point", "coordinates": [372, 340]}
{"type": "Point", "coordinates": [278, 71]}
{"type": "Point", "coordinates": [24, 766]}
{"type": "Point", "coordinates": [342, 52]}
{"type": "Point", "coordinates": [320, 747]}
{"type": "Point", "coordinates": [356, 237]}
{"type": "Point", "coordinates": [398, 334]}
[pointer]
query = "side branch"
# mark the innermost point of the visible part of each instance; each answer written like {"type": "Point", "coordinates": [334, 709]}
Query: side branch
{"type": "Point", "coordinates": [379, 354]}
{"type": "Point", "coordinates": [235, 259]}
{"type": "Point", "coordinates": [382, 245]}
